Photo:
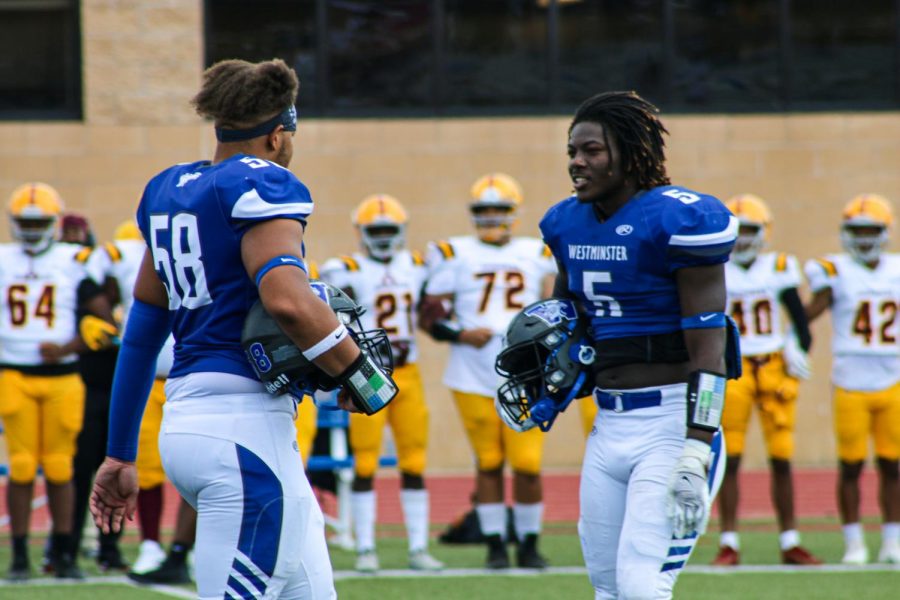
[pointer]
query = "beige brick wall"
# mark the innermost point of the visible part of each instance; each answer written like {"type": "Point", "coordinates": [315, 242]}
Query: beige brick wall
{"type": "Point", "coordinates": [143, 60]}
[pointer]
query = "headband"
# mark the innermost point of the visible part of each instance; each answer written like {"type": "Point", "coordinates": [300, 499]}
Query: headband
{"type": "Point", "coordinates": [287, 117]}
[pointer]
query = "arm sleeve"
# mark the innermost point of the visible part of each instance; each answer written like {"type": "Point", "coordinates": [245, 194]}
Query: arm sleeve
{"type": "Point", "coordinates": [794, 306]}
{"type": "Point", "coordinates": [146, 332]}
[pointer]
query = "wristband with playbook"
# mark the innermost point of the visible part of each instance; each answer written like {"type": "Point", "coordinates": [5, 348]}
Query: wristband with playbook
{"type": "Point", "coordinates": [705, 400]}
{"type": "Point", "coordinates": [370, 388]}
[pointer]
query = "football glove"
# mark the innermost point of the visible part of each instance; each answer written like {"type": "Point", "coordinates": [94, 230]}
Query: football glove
{"type": "Point", "coordinates": [97, 333]}
{"type": "Point", "coordinates": [687, 500]}
{"type": "Point", "coordinates": [796, 360]}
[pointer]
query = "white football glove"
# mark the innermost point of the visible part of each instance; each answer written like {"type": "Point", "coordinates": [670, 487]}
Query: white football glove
{"type": "Point", "coordinates": [796, 360]}
{"type": "Point", "coordinates": [525, 425]}
{"type": "Point", "coordinates": [687, 500]}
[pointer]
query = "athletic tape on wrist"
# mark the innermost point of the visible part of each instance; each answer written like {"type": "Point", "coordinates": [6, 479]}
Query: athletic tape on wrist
{"type": "Point", "coordinates": [326, 343]}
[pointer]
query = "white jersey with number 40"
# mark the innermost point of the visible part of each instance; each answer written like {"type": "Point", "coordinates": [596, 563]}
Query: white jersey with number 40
{"type": "Point", "coordinates": [864, 317]}
{"type": "Point", "coordinates": [490, 284]}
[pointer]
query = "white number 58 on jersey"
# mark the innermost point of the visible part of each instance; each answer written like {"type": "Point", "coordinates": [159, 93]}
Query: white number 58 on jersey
{"type": "Point", "coordinates": [182, 269]}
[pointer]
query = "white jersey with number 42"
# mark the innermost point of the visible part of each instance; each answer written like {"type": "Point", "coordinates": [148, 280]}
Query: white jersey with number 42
{"type": "Point", "coordinates": [864, 318]}
{"type": "Point", "coordinates": [490, 284]}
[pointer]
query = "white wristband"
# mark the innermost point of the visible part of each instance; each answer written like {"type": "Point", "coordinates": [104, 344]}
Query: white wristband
{"type": "Point", "coordinates": [326, 343]}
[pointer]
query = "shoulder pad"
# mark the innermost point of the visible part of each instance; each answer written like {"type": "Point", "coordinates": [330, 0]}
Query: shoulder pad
{"type": "Point", "coordinates": [350, 263]}
{"type": "Point", "coordinates": [83, 254]}
{"type": "Point", "coordinates": [829, 267]}
{"type": "Point", "coordinates": [781, 262]}
{"type": "Point", "coordinates": [417, 258]}
{"type": "Point", "coordinates": [446, 249]}
{"type": "Point", "coordinates": [546, 252]}
{"type": "Point", "coordinates": [114, 253]}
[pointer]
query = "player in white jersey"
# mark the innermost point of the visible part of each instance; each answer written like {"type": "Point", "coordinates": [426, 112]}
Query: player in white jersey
{"type": "Point", "coordinates": [42, 285]}
{"type": "Point", "coordinates": [386, 279]}
{"type": "Point", "coordinates": [486, 279]}
{"type": "Point", "coordinates": [761, 287]}
{"type": "Point", "coordinates": [862, 289]}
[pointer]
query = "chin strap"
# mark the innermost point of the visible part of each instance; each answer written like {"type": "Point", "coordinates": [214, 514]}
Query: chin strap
{"type": "Point", "coordinates": [546, 409]}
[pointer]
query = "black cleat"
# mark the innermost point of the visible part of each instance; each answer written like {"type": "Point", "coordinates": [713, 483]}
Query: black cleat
{"type": "Point", "coordinates": [171, 571]}
{"type": "Point", "coordinates": [64, 567]}
{"type": "Point", "coordinates": [19, 569]}
{"type": "Point", "coordinates": [497, 557]}
{"type": "Point", "coordinates": [110, 559]}
{"type": "Point", "coordinates": [527, 555]}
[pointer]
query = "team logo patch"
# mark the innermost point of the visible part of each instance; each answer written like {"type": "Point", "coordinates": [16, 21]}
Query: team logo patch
{"type": "Point", "coordinates": [624, 229]}
{"type": "Point", "coordinates": [320, 289]}
{"type": "Point", "coordinates": [553, 312]}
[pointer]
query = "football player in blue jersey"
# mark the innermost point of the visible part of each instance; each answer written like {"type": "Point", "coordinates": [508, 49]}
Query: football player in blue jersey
{"type": "Point", "coordinates": [222, 234]}
{"type": "Point", "coordinates": [643, 260]}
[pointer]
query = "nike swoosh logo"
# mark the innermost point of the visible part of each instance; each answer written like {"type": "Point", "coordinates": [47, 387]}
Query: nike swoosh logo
{"type": "Point", "coordinates": [284, 260]}
{"type": "Point", "coordinates": [706, 317]}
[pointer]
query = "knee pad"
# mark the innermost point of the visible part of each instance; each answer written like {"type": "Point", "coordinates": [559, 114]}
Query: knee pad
{"type": "Point", "coordinates": [412, 461]}
{"type": "Point", "coordinates": [151, 477]}
{"type": "Point", "coordinates": [57, 468]}
{"type": "Point", "coordinates": [365, 464]}
{"type": "Point", "coordinates": [22, 467]}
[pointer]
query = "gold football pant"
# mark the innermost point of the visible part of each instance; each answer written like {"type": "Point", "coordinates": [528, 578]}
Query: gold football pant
{"type": "Point", "coordinates": [857, 415]}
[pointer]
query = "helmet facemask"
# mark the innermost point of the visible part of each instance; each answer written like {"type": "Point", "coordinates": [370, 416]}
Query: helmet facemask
{"type": "Point", "coordinates": [864, 242]}
{"type": "Point", "coordinates": [493, 221]}
{"type": "Point", "coordinates": [383, 240]}
{"type": "Point", "coordinates": [34, 233]}
{"type": "Point", "coordinates": [750, 241]}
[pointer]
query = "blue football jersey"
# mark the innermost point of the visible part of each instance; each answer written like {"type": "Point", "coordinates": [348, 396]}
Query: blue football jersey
{"type": "Point", "coordinates": [193, 217]}
{"type": "Point", "coordinates": [622, 271]}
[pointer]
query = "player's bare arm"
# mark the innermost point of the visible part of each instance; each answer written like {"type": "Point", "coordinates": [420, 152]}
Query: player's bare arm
{"type": "Point", "coordinates": [819, 303]}
{"type": "Point", "coordinates": [434, 320]}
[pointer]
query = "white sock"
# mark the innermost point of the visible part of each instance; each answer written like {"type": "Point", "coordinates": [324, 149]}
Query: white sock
{"type": "Point", "coordinates": [492, 518]}
{"type": "Point", "coordinates": [890, 534]}
{"type": "Point", "coordinates": [415, 515]}
{"type": "Point", "coordinates": [527, 518]}
{"type": "Point", "coordinates": [730, 539]}
{"type": "Point", "coordinates": [362, 507]}
{"type": "Point", "coordinates": [853, 532]}
{"type": "Point", "coordinates": [788, 539]}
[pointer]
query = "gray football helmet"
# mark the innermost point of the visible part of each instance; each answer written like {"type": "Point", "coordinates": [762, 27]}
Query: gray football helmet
{"type": "Point", "coordinates": [546, 362]}
{"type": "Point", "coordinates": [281, 366]}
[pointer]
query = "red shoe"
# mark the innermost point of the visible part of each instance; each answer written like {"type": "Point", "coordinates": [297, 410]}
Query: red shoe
{"type": "Point", "coordinates": [798, 555]}
{"type": "Point", "coordinates": [727, 557]}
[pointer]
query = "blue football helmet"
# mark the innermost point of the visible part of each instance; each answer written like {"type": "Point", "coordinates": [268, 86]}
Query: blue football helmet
{"type": "Point", "coordinates": [547, 362]}
{"type": "Point", "coordinates": [281, 366]}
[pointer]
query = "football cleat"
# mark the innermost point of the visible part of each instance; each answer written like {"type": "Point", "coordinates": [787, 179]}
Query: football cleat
{"type": "Point", "coordinates": [64, 567]}
{"type": "Point", "coordinates": [727, 557]}
{"type": "Point", "coordinates": [495, 201]}
{"type": "Point", "coordinates": [367, 562]}
{"type": "Point", "coordinates": [890, 553]}
{"type": "Point", "coordinates": [172, 570]}
{"type": "Point", "coordinates": [497, 557]}
{"type": "Point", "coordinates": [19, 568]}
{"type": "Point", "coordinates": [381, 221]}
{"type": "Point", "coordinates": [798, 555]}
{"type": "Point", "coordinates": [546, 361]}
{"type": "Point", "coordinates": [755, 220]}
{"type": "Point", "coordinates": [856, 553]}
{"type": "Point", "coordinates": [34, 210]}
{"type": "Point", "coordinates": [527, 555]}
{"type": "Point", "coordinates": [865, 230]}
{"type": "Point", "coordinates": [150, 556]}
{"type": "Point", "coordinates": [281, 366]}
{"type": "Point", "coordinates": [420, 560]}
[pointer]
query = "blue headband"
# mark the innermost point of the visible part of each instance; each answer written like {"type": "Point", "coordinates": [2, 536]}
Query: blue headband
{"type": "Point", "coordinates": [287, 117]}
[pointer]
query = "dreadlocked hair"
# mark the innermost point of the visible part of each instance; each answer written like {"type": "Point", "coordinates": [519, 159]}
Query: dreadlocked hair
{"type": "Point", "coordinates": [239, 94]}
{"type": "Point", "coordinates": [635, 125]}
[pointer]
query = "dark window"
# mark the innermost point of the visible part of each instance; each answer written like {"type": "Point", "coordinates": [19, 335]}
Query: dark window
{"type": "Point", "coordinates": [609, 45]}
{"type": "Point", "coordinates": [266, 29]}
{"type": "Point", "coordinates": [844, 54]}
{"type": "Point", "coordinates": [726, 55]}
{"type": "Point", "coordinates": [495, 55]}
{"type": "Point", "coordinates": [40, 61]}
{"type": "Point", "coordinates": [380, 55]}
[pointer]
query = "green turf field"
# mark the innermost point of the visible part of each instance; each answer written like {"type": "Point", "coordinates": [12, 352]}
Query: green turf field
{"type": "Point", "coordinates": [760, 576]}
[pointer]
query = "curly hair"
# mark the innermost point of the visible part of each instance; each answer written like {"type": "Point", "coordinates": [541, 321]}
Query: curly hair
{"type": "Point", "coordinates": [635, 125]}
{"type": "Point", "coordinates": [238, 94]}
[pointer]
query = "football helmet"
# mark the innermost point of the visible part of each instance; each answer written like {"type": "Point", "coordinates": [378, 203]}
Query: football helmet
{"type": "Point", "coordinates": [281, 366]}
{"type": "Point", "coordinates": [495, 201]}
{"type": "Point", "coordinates": [381, 221]}
{"type": "Point", "coordinates": [866, 225]}
{"type": "Point", "coordinates": [34, 210]}
{"type": "Point", "coordinates": [546, 361]}
{"type": "Point", "coordinates": [755, 220]}
{"type": "Point", "coordinates": [128, 230]}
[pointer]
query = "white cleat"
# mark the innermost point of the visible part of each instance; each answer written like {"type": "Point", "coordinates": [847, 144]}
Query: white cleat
{"type": "Point", "coordinates": [856, 554]}
{"type": "Point", "coordinates": [890, 553]}
{"type": "Point", "coordinates": [367, 562]}
{"type": "Point", "coordinates": [150, 556]}
{"type": "Point", "coordinates": [420, 560]}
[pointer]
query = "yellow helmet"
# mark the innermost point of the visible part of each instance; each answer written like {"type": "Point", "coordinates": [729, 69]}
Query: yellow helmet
{"type": "Point", "coordinates": [865, 229]}
{"type": "Point", "coordinates": [34, 210]}
{"type": "Point", "coordinates": [128, 230]}
{"type": "Point", "coordinates": [755, 220]}
{"type": "Point", "coordinates": [495, 191]}
{"type": "Point", "coordinates": [381, 221]}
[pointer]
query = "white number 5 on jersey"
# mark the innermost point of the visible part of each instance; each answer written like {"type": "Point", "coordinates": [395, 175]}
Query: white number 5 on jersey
{"type": "Point", "coordinates": [182, 271]}
{"type": "Point", "coordinates": [605, 306]}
